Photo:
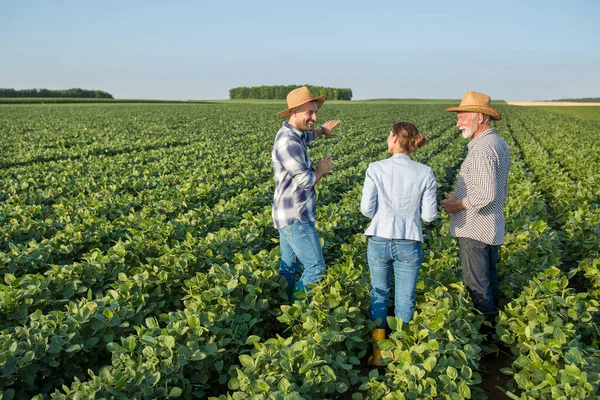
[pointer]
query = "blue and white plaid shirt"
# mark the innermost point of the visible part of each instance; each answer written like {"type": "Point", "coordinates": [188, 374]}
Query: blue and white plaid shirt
{"type": "Point", "coordinates": [295, 178]}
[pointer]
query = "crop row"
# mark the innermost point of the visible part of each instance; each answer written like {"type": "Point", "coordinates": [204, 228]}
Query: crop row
{"type": "Point", "coordinates": [341, 220]}
{"type": "Point", "coordinates": [554, 355]}
{"type": "Point", "coordinates": [178, 294]}
{"type": "Point", "coordinates": [126, 253]}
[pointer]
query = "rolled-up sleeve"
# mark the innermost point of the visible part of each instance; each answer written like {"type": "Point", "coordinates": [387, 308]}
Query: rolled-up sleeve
{"type": "Point", "coordinates": [368, 203]}
{"type": "Point", "coordinates": [429, 201]}
{"type": "Point", "coordinates": [483, 192]}
{"type": "Point", "coordinates": [291, 156]}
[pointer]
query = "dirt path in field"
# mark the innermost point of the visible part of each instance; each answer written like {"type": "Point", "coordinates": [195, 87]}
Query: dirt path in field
{"type": "Point", "coordinates": [492, 377]}
{"type": "Point", "coordinates": [549, 103]}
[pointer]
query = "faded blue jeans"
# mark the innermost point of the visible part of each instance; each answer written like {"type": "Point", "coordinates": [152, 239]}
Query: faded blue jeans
{"type": "Point", "coordinates": [299, 244]}
{"type": "Point", "coordinates": [405, 258]}
{"type": "Point", "coordinates": [478, 262]}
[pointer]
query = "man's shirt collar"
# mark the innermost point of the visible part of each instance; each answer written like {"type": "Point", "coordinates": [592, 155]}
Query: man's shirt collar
{"type": "Point", "coordinates": [482, 134]}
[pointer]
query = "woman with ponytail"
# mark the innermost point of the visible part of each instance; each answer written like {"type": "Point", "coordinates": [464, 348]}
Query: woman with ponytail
{"type": "Point", "coordinates": [398, 193]}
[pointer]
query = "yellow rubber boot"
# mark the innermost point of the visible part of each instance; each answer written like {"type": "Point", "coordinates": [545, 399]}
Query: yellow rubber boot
{"type": "Point", "coordinates": [376, 360]}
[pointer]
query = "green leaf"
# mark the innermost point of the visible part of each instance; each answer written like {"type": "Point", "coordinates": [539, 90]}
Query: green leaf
{"type": "Point", "coordinates": [151, 323]}
{"type": "Point", "coordinates": [466, 372]}
{"type": "Point", "coordinates": [559, 335]}
{"type": "Point", "coordinates": [452, 372]}
{"type": "Point", "coordinates": [262, 386]}
{"type": "Point", "coordinates": [91, 342]}
{"type": "Point", "coordinates": [393, 323]}
{"type": "Point", "coordinates": [429, 363]}
{"type": "Point", "coordinates": [211, 348]}
{"type": "Point", "coordinates": [182, 361]}
{"type": "Point", "coordinates": [115, 348]}
{"type": "Point", "coordinates": [373, 374]}
{"type": "Point", "coordinates": [219, 366]}
{"type": "Point", "coordinates": [464, 390]}
{"type": "Point", "coordinates": [129, 343]}
{"type": "Point", "coordinates": [309, 324]}
{"type": "Point", "coordinates": [169, 341]}
{"type": "Point", "coordinates": [246, 361]}
{"type": "Point", "coordinates": [434, 345]}
{"type": "Point", "coordinates": [155, 378]}
{"type": "Point", "coordinates": [74, 348]}
{"type": "Point", "coordinates": [284, 385]}
{"type": "Point", "coordinates": [574, 356]}
{"type": "Point", "coordinates": [30, 355]}
{"type": "Point", "coordinates": [252, 339]}
{"type": "Point", "coordinates": [233, 384]}
{"type": "Point", "coordinates": [53, 363]}
{"type": "Point", "coordinates": [341, 387]}
{"type": "Point", "coordinates": [286, 364]}
{"type": "Point", "coordinates": [356, 338]}
{"type": "Point", "coordinates": [198, 355]}
{"type": "Point", "coordinates": [521, 380]}
{"type": "Point", "coordinates": [232, 284]}
{"type": "Point", "coordinates": [149, 340]}
{"type": "Point", "coordinates": [10, 365]}
{"type": "Point", "coordinates": [121, 383]}
{"type": "Point", "coordinates": [551, 379]}
{"type": "Point", "coordinates": [8, 394]}
{"type": "Point", "coordinates": [572, 370]}
{"type": "Point", "coordinates": [175, 392]}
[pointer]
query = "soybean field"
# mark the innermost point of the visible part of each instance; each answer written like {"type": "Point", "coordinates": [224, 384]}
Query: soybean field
{"type": "Point", "coordinates": [138, 259]}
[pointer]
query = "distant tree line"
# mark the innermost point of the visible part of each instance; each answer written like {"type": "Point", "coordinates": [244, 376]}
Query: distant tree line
{"type": "Point", "coordinates": [281, 91]}
{"type": "Point", "coordinates": [581, 100]}
{"type": "Point", "coordinates": [72, 100]}
{"type": "Point", "coordinates": [47, 93]}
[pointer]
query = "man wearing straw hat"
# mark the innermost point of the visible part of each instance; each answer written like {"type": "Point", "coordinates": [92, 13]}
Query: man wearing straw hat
{"type": "Point", "coordinates": [477, 205]}
{"type": "Point", "coordinates": [294, 200]}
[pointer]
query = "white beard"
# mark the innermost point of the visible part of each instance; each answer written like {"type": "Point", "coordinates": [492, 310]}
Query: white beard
{"type": "Point", "coordinates": [469, 129]}
{"type": "Point", "coordinates": [467, 133]}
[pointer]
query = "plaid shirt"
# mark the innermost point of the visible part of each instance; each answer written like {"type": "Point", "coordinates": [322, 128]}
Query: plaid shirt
{"type": "Point", "coordinates": [295, 178]}
{"type": "Point", "coordinates": [483, 185]}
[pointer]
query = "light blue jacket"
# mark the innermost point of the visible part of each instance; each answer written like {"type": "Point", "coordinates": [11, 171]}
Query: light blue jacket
{"type": "Point", "coordinates": [397, 194]}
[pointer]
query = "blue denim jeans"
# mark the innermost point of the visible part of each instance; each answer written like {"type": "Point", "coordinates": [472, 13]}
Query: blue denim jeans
{"type": "Point", "coordinates": [405, 258]}
{"type": "Point", "coordinates": [299, 244]}
{"type": "Point", "coordinates": [478, 262]}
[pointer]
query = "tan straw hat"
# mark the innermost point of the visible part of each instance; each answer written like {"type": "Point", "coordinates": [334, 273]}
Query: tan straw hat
{"type": "Point", "coordinates": [300, 96]}
{"type": "Point", "coordinates": [476, 102]}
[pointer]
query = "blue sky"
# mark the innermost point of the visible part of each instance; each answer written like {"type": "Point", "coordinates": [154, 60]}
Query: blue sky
{"type": "Point", "coordinates": [511, 50]}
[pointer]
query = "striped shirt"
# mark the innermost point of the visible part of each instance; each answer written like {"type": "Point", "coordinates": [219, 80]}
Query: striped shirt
{"type": "Point", "coordinates": [483, 186]}
{"type": "Point", "coordinates": [294, 197]}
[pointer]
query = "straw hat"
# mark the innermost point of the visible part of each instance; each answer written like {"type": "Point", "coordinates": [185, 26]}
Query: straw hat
{"type": "Point", "coordinates": [476, 102]}
{"type": "Point", "coordinates": [300, 96]}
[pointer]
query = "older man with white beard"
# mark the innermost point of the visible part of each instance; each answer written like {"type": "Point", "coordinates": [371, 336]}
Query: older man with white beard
{"type": "Point", "coordinates": [477, 205]}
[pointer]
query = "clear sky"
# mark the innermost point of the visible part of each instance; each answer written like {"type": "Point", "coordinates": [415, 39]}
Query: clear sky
{"type": "Point", "coordinates": [511, 50]}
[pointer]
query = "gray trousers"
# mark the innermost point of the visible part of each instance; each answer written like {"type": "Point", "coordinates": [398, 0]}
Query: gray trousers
{"type": "Point", "coordinates": [478, 261]}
